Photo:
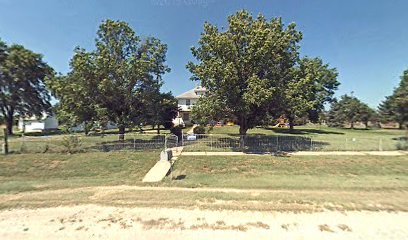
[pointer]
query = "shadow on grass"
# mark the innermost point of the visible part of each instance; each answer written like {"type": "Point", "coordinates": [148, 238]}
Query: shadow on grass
{"type": "Point", "coordinates": [302, 131]}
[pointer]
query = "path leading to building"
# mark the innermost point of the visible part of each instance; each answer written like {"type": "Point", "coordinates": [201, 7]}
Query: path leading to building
{"type": "Point", "coordinates": [161, 168]}
{"type": "Point", "coordinates": [303, 153]}
{"type": "Point", "coordinates": [191, 130]}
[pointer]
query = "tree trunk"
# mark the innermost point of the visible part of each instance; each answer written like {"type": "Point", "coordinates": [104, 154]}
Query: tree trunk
{"type": "Point", "coordinates": [401, 125]}
{"type": "Point", "coordinates": [243, 128]}
{"type": "Point", "coordinates": [291, 120]}
{"type": "Point", "coordinates": [86, 128]}
{"type": "Point", "coordinates": [366, 125]}
{"type": "Point", "coordinates": [158, 128]}
{"type": "Point", "coordinates": [352, 125]}
{"type": "Point", "coordinates": [9, 124]}
{"type": "Point", "coordinates": [121, 133]}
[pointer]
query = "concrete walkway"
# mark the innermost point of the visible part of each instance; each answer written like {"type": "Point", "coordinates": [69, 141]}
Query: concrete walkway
{"type": "Point", "coordinates": [303, 153]}
{"type": "Point", "coordinates": [191, 131]}
{"type": "Point", "coordinates": [161, 168]}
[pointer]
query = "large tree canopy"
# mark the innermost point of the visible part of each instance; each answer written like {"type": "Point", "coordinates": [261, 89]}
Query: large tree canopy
{"type": "Point", "coordinates": [252, 68]}
{"type": "Point", "coordinates": [311, 87]}
{"type": "Point", "coordinates": [395, 107]}
{"type": "Point", "coordinates": [114, 82]}
{"type": "Point", "coordinates": [22, 88]}
{"type": "Point", "coordinates": [246, 65]}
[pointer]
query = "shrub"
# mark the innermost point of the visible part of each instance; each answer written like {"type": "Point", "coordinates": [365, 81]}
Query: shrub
{"type": "Point", "coordinates": [199, 130]}
{"type": "Point", "coordinates": [402, 145]}
{"type": "Point", "coordinates": [72, 144]}
{"type": "Point", "coordinates": [168, 125]}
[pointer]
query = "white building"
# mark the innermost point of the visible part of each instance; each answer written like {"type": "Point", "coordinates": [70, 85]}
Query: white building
{"type": "Point", "coordinates": [34, 124]}
{"type": "Point", "coordinates": [187, 100]}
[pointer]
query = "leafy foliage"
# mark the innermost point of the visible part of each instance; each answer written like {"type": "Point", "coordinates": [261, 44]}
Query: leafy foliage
{"type": "Point", "coordinates": [71, 143]}
{"type": "Point", "coordinates": [199, 130]}
{"type": "Point", "coordinates": [114, 82]}
{"type": "Point", "coordinates": [252, 70]}
{"type": "Point", "coordinates": [22, 83]}
{"type": "Point", "coordinates": [312, 86]}
{"type": "Point", "coordinates": [349, 109]}
{"type": "Point", "coordinates": [395, 107]}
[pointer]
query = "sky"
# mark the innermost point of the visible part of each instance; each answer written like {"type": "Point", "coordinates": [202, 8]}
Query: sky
{"type": "Point", "coordinates": [366, 40]}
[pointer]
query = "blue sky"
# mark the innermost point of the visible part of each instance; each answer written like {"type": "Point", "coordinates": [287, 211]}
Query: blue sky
{"type": "Point", "coordinates": [367, 41]}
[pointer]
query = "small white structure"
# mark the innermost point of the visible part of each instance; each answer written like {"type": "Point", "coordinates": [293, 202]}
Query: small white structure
{"type": "Point", "coordinates": [187, 100]}
{"type": "Point", "coordinates": [38, 124]}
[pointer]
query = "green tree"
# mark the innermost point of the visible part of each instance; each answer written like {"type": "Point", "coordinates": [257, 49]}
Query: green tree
{"type": "Point", "coordinates": [312, 86]}
{"type": "Point", "coordinates": [76, 93]}
{"type": "Point", "coordinates": [395, 107]}
{"type": "Point", "coordinates": [118, 77]}
{"type": "Point", "coordinates": [162, 110]}
{"type": "Point", "coordinates": [22, 83]}
{"type": "Point", "coordinates": [349, 109]}
{"type": "Point", "coordinates": [246, 65]}
{"type": "Point", "coordinates": [208, 109]}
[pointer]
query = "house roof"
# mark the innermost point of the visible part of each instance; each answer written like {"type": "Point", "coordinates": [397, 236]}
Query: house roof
{"type": "Point", "coordinates": [191, 94]}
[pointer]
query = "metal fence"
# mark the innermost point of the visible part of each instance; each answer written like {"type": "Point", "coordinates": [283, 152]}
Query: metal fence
{"type": "Point", "coordinates": [201, 142]}
{"type": "Point", "coordinates": [277, 143]}
{"type": "Point", "coordinates": [82, 143]}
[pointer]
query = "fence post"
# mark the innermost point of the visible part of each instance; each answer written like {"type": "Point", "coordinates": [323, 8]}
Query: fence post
{"type": "Point", "coordinates": [277, 143]}
{"type": "Point", "coordinates": [134, 142]}
{"type": "Point", "coordinates": [311, 144]}
{"type": "Point", "coordinates": [5, 144]}
{"type": "Point", "coordinates": [165, 142]}
{"type": "Point", "coordinates": [211, 141]}
{"type": "Point", "coordinates": [346, 145]}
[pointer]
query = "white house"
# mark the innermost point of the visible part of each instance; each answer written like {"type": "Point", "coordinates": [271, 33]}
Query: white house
{"type": "Point", "coordinates": [34, 124]}
{"type": "Point", "coordinates": [187, 100]}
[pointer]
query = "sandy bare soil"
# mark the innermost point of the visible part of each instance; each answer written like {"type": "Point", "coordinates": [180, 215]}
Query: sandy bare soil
{"type": "Point", "coordinates": [102, 222]}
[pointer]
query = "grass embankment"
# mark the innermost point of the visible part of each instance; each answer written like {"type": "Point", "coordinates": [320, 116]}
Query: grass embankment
{"type": "Point", "coordinates": [287, 183]}
{"type": "Point", "coordinates": [29, 172]}
{"type": "Point", "coordinates": [295, 172]}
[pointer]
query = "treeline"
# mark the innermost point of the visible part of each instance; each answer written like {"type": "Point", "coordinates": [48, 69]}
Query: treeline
{"type": "Point", "coordinates": [118, 82]}
{"type": "Point", "coordinates": [252, 71]}
{"type": "Point", "coordinates": [254, 75]}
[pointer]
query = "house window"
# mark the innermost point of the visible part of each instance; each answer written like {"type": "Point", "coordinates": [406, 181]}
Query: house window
{"type": "Point", "coordinates": [188, 102]}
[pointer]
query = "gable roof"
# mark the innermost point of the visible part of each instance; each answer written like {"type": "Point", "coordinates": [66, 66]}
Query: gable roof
{"type": "Point", "coordinates": [191, 94]}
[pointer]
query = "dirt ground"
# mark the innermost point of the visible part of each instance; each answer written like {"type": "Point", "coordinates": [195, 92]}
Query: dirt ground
{"type": "Point", "coordinates": [105, 222]}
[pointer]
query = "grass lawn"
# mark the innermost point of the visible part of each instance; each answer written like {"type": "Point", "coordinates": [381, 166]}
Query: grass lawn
{"type": "Point", "coordinates": [30, 172]}
{"type": "Point", "coordinates": [295, 172]}
{"type": "Point", "coordinates": [291, 183]}
{"type": "Point", "coordinates": [318, 138]}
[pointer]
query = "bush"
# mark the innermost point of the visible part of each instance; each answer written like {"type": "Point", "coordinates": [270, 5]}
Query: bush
{"type": "Point", "coordinates": [199, 130]}
{"type": "Point", "coordinates": [402, 145]}
{"type": "Point", "coordinates": [178, 131]}
{"type": "Point", "coordinates": [72, 144]}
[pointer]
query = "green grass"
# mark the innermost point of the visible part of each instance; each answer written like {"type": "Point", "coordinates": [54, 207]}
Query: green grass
{"type": "Point", "coordinates": [24, 172]}
{"type": "Point", "coordinates": [296, 172]}
{"type": "Point", "coordinates": [109, 142]}
{"type": "Point", "coordinates": [318, 138]}
{"type": "Point", "coordinates": [295, 183]}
